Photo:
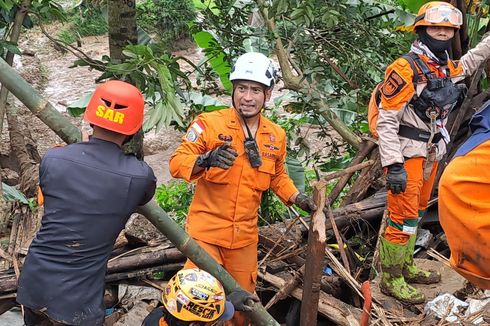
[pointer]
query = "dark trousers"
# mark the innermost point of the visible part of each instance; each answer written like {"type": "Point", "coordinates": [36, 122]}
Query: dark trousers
{"type": "Point", "coordinates": [38, 318]}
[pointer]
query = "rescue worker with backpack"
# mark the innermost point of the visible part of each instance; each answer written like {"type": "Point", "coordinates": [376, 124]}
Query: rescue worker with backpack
{"type": "Point", "coordinates": [193, 297]}
{"type": "Point", "coordinates": [234, 155]}
{"type": "Point", "coordinates": [408, 112]}
{"type": "Point", "coordinates": [89, 189]}
{"type": "Point", "coordinates": [464, 213]}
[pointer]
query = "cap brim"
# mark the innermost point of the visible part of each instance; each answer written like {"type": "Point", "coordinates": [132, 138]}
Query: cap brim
{"type": "Point", "coordinates": [229, 311]}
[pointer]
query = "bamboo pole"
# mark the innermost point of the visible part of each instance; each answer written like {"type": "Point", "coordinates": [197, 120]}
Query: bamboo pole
{"type": "Point", "coordinates": [38, 105]}
{"type": "Point", "coordinates": [157, 216]}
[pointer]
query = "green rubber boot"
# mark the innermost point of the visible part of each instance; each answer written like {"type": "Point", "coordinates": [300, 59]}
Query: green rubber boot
{"type": "Point", "coordinates": [392, 256]}
{"type": "Point", "coordinates": [412, 273]}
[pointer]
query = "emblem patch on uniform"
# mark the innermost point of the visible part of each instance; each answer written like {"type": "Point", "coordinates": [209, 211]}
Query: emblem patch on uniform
{"type": "Point", "coordinates": [225, 137]}
{"type": "Point", "coordinates": [194, 131]}
{"type": "Point", "coordinates": [272, 138]}
{"type": "Point", "coordinates": [191, 135]}
{"type": "Point", "coordinates": [393, 85]}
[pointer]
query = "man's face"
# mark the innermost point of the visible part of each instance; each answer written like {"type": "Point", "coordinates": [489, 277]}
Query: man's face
{"type": "Point", "coordinates": [440, 33]}
{"type": "Point", "coordinates": [249, 97]}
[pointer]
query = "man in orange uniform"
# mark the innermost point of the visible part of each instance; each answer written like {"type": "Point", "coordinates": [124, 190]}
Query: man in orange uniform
{"type": "Point", "coordinates": [464, 209]}
{"type": "Point", "coordinates": [234, 155]}
{"type": "Point", "coordinates": [416, 96]}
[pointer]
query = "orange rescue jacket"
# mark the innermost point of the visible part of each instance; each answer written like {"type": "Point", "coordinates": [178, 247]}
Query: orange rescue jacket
{"type": "Point", "coordinates": [224, 209]}
{"type": "Point", "coordinates": [464, 213]}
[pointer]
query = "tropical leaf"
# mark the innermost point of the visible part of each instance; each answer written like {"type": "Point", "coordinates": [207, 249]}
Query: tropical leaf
{"type": "Point", "coordinates": [216, 57]}
{"type": "Point", "coordinates": [296, 172]}
{"type": "Point", "coordinates": [78, 107]}
{"type": "Point", "coordinates": [12, 194]}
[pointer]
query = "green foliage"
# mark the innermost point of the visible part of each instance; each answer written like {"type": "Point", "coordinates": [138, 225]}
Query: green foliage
{"type": "Point", "coordinates": [156, 76]}
{"type": "Point", "coordinates": [175, 199]}
{"type": "Point", "coordinates": [7, 4]}
{"type": "Point", "coordinates": [167, 18]}
{"type": "Point", "coordinates": [88, 21]}
{"type": "Point", "coordinates": [48, 10]}
{"type": "Point", "coordinates": [271, 209]}
{"type": "Point", "coordinates": [412, 5]}
{"type": "Point", "coordinates": [215, 56]}
{"type": "Point", "coordinates": [13, 195]}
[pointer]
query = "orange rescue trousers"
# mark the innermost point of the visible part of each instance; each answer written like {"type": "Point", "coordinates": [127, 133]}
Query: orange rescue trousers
{"type": "Point", "coordinates": [241, 263]}
{"type": "Point", "coordinates": [406, 208]}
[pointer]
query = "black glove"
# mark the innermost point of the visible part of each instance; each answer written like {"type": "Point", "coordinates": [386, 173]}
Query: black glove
{"type": "Point", "coordinates": [239, 300]}
{"type": "Point", "coordinates": [305, 203]}
{"type": "Point", "coordinates": [222, 157]}
{"type": "Point", "coordinates": [396, 179]}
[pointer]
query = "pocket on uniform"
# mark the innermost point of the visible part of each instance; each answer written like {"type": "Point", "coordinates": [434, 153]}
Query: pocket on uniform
{"type": "Point", "coordinates": [217, 175]}
{"type": "Point", "coordinates": [265, 173]}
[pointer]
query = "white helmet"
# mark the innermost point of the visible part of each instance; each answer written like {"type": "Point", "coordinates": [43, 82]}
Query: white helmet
{"type": "Point", "coordinates": [255, 67]}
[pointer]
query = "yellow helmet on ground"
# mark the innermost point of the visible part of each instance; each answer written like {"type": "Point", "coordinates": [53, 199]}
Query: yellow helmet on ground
{"type": "Point", "coordinates": [439, 13]}
{"type": "Point", "coordinates": [196, 295]}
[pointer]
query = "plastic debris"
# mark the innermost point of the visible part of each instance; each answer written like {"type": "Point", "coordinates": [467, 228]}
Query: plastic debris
{"type": "Point", "coordinates": [446, 306]}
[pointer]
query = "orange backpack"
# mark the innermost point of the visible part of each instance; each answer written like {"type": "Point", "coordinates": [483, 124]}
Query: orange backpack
{"type": "Point", "coordinates": [373, 110]}
{"type": "Point", "coordinates": [375, 100]}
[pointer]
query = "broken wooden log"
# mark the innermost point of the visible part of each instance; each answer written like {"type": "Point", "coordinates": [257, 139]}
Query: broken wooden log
{"type": "Point", "coordinates": [287, 288]}
{"type": "Point", "coordinates": [8, 283]}
{"type": "Point", "coordinates": [365, 181]}
{"type": "Point", "coordinates": [314, 261]}
{"type": "Point", "coordinates": [368, 209]}
{"type": "Point", "coordinates": [143, 272]}
{"type": "Point", "coordinates": [366, 148]}
{"type": "Point", "coordinates": [334, 309]}
{"type": "Point", "coordinates": [146, 259]}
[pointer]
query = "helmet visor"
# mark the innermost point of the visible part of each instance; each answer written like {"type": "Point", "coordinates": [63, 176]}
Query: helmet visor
{"type": "Point", "coordinates": [443, 14]}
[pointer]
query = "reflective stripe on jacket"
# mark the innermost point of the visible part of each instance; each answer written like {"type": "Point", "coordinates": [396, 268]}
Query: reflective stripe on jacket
{"type": "Point", "coordinates": [225, 205]}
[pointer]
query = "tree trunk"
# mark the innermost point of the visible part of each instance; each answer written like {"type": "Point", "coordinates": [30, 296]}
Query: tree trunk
{"type": "Point", "coordinates": [157, 216]}
{"type": "Point", "coordinates": [297, 83]}
{"type": "Point", "coordinates": [122, 27]}
{"type": "Point", "coordinates": [14, 38]}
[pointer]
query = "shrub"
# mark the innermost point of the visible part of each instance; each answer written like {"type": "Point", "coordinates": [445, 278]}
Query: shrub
{"type": "Point", "coordinates": [166, 18]}
{"type": "Point", "coordinates": [175, 199]}
{"type": "Point", "coordinates": [84, 21]}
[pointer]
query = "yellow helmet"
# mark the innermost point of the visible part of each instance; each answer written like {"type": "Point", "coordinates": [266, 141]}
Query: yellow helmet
{"type": "Point", "coordinates": [439, 13]}
{"type": "Point", "coordinates": [196, 295]}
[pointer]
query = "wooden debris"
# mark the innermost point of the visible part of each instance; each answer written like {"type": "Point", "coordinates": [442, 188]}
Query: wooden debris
{"type": "Point", "coordinates": [314, 261]}
{"type": "Point", "coordinates": [334, 309]}
{"type": "Point", "coordinates": [287, 288]}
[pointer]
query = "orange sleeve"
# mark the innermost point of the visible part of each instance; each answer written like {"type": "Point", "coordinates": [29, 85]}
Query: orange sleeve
{"type": "Point", "coordinates": [193, 144]}
{"type": "Point", "coordinates": [40, 196]}
{"type": "Point", "coordinates": [397, 88]}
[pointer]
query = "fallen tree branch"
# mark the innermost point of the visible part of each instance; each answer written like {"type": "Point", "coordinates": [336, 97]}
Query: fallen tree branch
{"type": "Point", "coordinates": [337, 311]}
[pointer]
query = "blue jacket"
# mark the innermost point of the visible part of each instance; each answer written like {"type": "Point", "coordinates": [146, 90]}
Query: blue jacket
{"type": "Point", "coordinates": [90, 190]}
{"type": "Point", "coordinates": [480, 130]}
